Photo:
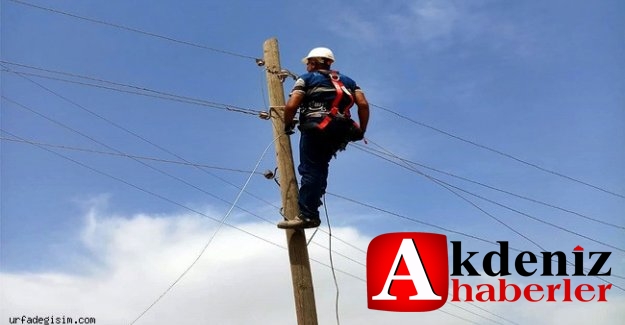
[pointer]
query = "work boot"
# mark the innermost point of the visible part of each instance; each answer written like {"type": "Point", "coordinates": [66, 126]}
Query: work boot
{"type": "Point", "coordinates": [312, 223]}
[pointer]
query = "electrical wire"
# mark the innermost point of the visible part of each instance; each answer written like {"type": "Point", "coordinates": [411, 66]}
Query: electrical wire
{"type": "Point", "coordinates": [499, 152]}
{"type": "Point", "coordinates": [586, 237]}
{"type": "Point", "coordinates": [597, 220]}
{"type": "Point", "coordinates": [71, 75]}
{"type": "Point", "coordinates": [210, 240]}
{"type": "Point", "coordinates": [66, 127]}
{"type": "Point", "coordinates": [195, 211]}
{"type": "Point", "coordinates": [140, 91]}
{"type": "Point", "coordinates": [151, 143]}
{"type": "Point", "coordinates": [494, 314]}
{"type": "Point", "coordinates": [221, 223]}
{"type": "Point", "coordinates": [454, 189]}
{"type": "Point", "coordinates": [173, 202]}
{"type": "Point", "coordinates": [325, 206]}
{"type": "Point", "coordinates": [134, 30]}
{"type": "Point", "coordinates": [395, 214]}
{"type": "Point", "coordinates": [161, 197]}
{"type": "Point", "coordinates": [36, 143]}
{"type": "Point", "coordinates": [30, 142]}
{"type": "Point", "coordinates": [330, 235]}
{"type": "Point", "coordinates": [160, 148]}
{"type": "Point", "coordinates": [446, 230]}
{"type": "Point", "coordinates": [39, 144]}
{"type": "Point", "coordinates": [149, 166]}
{"type": "Point", "coordinates": [125, 155]}
{"type": "Point", "coordinates": [459, 317]}
{"type": "Point", "coordinates": [134, 134]}
{"type": "Point", "coordinates": [476, 314]}
{"type": "Point", "coordinates": [336, 284]}
{"type": "Point", "coordinates": [205, 247]}
{"type": "Point", "coordinates": [255, 112]}
{"type": "Point", "coordinates": [470, 236]}
{"type": "Point", "coordinates": [449, 188]}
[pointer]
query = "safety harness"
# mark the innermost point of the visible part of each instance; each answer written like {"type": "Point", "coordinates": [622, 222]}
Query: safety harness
{"type": "Point", "coordinates": [341, 92]}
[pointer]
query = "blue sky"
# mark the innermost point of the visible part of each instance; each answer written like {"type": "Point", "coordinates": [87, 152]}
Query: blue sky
{"type": "Point", "coordinates": [541, 81]}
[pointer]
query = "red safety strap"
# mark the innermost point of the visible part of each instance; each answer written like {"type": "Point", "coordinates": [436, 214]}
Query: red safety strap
{"type": "Point", "coordinates": [334, 110]}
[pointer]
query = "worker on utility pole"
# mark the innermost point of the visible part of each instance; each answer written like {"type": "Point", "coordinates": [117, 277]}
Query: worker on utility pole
{"type": "Point", "coordinates": [323, 97]}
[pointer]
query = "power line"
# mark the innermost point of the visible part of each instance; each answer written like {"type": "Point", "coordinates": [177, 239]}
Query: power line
{"type": "Point", "coordinates": [152, 143]}
{"type": "Point", "coordinates": [254, 112]}
{"type": "Point", "coordinates": [193, 165]}
{"type": "Point", "coordinates": [142, 91]}
{"type": "Point", "coordinates": [161, 197]}
{"type": "Point", "coordinates": [195, 211]}
{"type": "Point", "coordinates": [105, 145]}
{"type": "Point", "coordinates": [139, 136]}
{"type": "Point", "coordinates": [74, 75]}
{"type": "Point", "coordinates": [221, 223]}
{"type": "Point", "coordinates": [361, 147]}
{"type": "Point", "coordinates": [40, 144]}
{"type": "Point", "coordinates": [48, 145]}
{"type": "Point", "coordinates": [109, 147]}
{"type": "Point", "coordinates": [240, 192]}
{"type": "Point", "coordinates": [120, 127]}
{"type": "Point", "coordinates": [37, 143]}
{"type": "Point", "coordinates": [19, 139]}
{"type": "Point", "coordinates": [139, 188]}
{"type": "Point", "coordinates": [395, 214]}
{"type": "Point", "coordinates": [499, 152]}
{"type": "Point", "coordinates": [475, 205]}
{"type": "Point", "coordinates": [171, 201]}
{"type": "Point", "coordinates": [447, 230]}
{"type": "Point", "coordinates": [538, 219]}
{"type": "Point", "coordinates": [451, 188]}
{"type": "Point", "coordinates": [476, 314]}
{"type": "Point", "coordinates": [200, 166]}
{"type": "Point", "coordinates": [459, 317]}
{"type": "Point", "coordinates": [336, 283]}
{"type": "Point", "coordinates": [494, 314]}
{"type": "Point", "coordinates": [125, 155]}
{"type": "Point", "coordinates": [214, 196]}
{"type": "Point", "coordinates": [134, 30]}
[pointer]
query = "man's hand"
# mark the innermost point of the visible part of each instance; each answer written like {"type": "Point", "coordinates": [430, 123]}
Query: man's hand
{"type": "Point", "coordinates": [289, 128]}
{"type": "Point", "coordinates": [356, 134]}
{"type": "Point", "coordinates": [289, 111]}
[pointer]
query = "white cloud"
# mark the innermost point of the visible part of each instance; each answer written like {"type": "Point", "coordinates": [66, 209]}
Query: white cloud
{"type": "Point", "coordinates": [422, 21]}
{"type": "Point", "coordinates": [239, 280]}
{"type": "Point", "coordinates": [425, 21]}
{"type": "Point", "coordinates": [433, 25]}
{"type": "Point", "coordinates": [352, 25]}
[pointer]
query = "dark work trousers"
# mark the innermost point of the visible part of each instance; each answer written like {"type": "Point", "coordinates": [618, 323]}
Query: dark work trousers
{"type": "Point", "coordinates": [316, 149]}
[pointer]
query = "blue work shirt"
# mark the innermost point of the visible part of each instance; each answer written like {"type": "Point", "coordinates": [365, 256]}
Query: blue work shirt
{"type": "Point", "coordinates": [319, 93]}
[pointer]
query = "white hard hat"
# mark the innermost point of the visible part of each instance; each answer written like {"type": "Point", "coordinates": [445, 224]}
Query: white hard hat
{"type": "Point", "coordinates": [319, 52]}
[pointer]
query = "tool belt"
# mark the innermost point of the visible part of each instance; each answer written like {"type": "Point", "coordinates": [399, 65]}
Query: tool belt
{"type": "Point", "coordinates": [338, 131]}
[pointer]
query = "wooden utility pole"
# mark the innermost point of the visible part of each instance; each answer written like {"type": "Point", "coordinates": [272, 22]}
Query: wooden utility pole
{"type": "Point", "coordinates": [296, 239]}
